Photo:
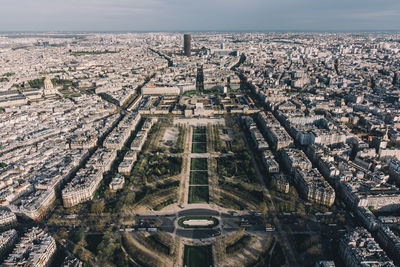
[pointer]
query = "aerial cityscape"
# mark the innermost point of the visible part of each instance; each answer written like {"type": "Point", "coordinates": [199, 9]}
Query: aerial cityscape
{"type": "Point", "coordinates": [199, 148]}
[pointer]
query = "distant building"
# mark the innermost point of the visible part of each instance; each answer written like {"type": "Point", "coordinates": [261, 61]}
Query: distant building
{"type": "Point", "coordinates": [280, 182]}
{"type": "Point", "coordinates": [390, 242]}
{"type": "Point", "coordinates": [359, 248]}
{"type": "Point", "coordinates": [187, 45]}
{"type": "Point", "coordinates": [269, 162]}
{"type": "Point", "coordinates": [48, 88]}
{"type": "Point", "coordinates": [71, 261]}
{"type": "Point", "coordinates": [367, 218]}
{"type": "Point", "coordinates": [117, 182]}
{"type": "Point", "coordinates": [312, 186]}
{"type": "Point", "coordinates": [12, 98]}
{"type": "Point", "coordinates": [7, 240]}
{"type": "Point", "coordinates": [131, 155]}
{"type": "Point", "coordinates": [370, 194]}
{"type": "Point", "coordinates": [125, 166]}
{"type": "Point", "coordinates": [36, 248]}
{"type": "Point", "coordinates": [7, 219]}
{"type": "Point", "coordinates": [34, 204]}
{"type": "Point", "coordinates": [152, 89]}
{"type": "Point", "coordinates": [199, 110]}
{"type": "Point", "coordinates": [224, 52]}
{"type": "Point", "coordinates": [255, 134]}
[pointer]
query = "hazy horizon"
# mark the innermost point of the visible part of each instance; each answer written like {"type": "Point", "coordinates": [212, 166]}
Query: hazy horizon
{"type": "Point", "coordinates": [199, 16]}
{"type": "Point", "coordinates": [195, 31]}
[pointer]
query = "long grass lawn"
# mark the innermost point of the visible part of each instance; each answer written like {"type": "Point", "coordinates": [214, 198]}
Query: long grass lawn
{"type": "Point", "coordinates": [198, 194]}
{"type": "Point", "coordinates": [199, 130]}
{"type": "Point", "coordinates": [199, 138]}
{"type": "Point", "coordinates": [199, 177]}
{"type": "Point", "coordinates": [199, 147]}
{"type": "Point", "coordinates": [198, 256]}
{"type": "Point", "coordinates": [198, 164]}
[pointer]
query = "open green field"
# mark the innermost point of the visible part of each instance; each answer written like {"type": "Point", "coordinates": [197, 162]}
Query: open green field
{"type": "Point", "coordinates": [199, 130]}
{"type": "Point", "coordinates": [198, 177]}
{"type": "Point", "coordinates": [199, 147]}
{"type": "Point", "coordinates": [199, 138]}
{"type": "Point", "coordinates": [69, 93]}
{"type": "Point", "coordinates": [198, 194]}
{"type": "Point", "coordinates": [197, 256]}
{"type": "Point", "coordinates": [198, 164]}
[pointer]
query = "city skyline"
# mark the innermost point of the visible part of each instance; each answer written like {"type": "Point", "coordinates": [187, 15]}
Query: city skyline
{"type": "Point", "coordinates": [182, 133]}
{"type": "Point", "coordinates": [221, 15]}
{"type": "Point", "coordinates": [200, 149]}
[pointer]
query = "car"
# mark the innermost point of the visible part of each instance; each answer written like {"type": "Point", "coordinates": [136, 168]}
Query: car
{"type": "Point", "coordinates": [232, 212]}
{"type": "Point", "coordinates": [216, 233]}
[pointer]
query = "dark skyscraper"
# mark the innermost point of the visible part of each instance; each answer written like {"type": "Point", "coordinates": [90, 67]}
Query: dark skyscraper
{"type": "Point", "coordinates": [187, 46]}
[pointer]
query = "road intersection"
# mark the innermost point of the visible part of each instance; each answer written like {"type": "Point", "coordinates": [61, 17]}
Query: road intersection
{"type": "Point", "coordinates": [228, 221]}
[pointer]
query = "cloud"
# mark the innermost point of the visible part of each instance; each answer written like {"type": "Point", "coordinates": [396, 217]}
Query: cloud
{"type": "Point", "coordinates": [199, 15]}
{"type": "Point", "coordinates": [377, 14]}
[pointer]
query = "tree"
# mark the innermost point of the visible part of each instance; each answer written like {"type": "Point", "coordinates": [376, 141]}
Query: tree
{"type": "Point", "coordinates": [246, 156]}
{"type": "Point", "coordinates": [264, 209]}
{"type": "Point", "coordinates": [63, 234]}
{"type": "Point", "coordinates": [108, 194]}
{"type": "Point", "coordinates": [82, 242]}
{"type": "Point", "coordinates": [99, 225]}
{"type": "Point", "coordinates": [108, 245]}
{"type": "Point", "coordinates": [130, 198]}
{"type": "Point", "coordinates": [97, 207]}
{"type": "Point", "coordinates": [84, 254]}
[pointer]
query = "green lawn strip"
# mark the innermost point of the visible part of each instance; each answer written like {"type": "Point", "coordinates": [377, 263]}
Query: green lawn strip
{"type": "Point", "coordinates": [197, 256]}
{"type": "Point", "coordinates": [198, 194]}
{"type": "Point", "coordinates": [101, 52]}
{"type": "Point", "coordinates": [198, 164]}
{"type": "Point", "coordinates": [199, 177]}
{"type": "Point", "coordinates": [67, 93]}
{"type": "Point", "coordinates": [199, 147]}
{"type": "Point", "coordinates": [208, 218]}
{"type": "Point", "coordinates": [199, 130]}
{"type": "Point", "coordinates": [199, 138]}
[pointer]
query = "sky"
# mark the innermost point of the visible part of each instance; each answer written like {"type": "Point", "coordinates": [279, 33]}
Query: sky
{"type": "Point", "coordinates": [199, 15]}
